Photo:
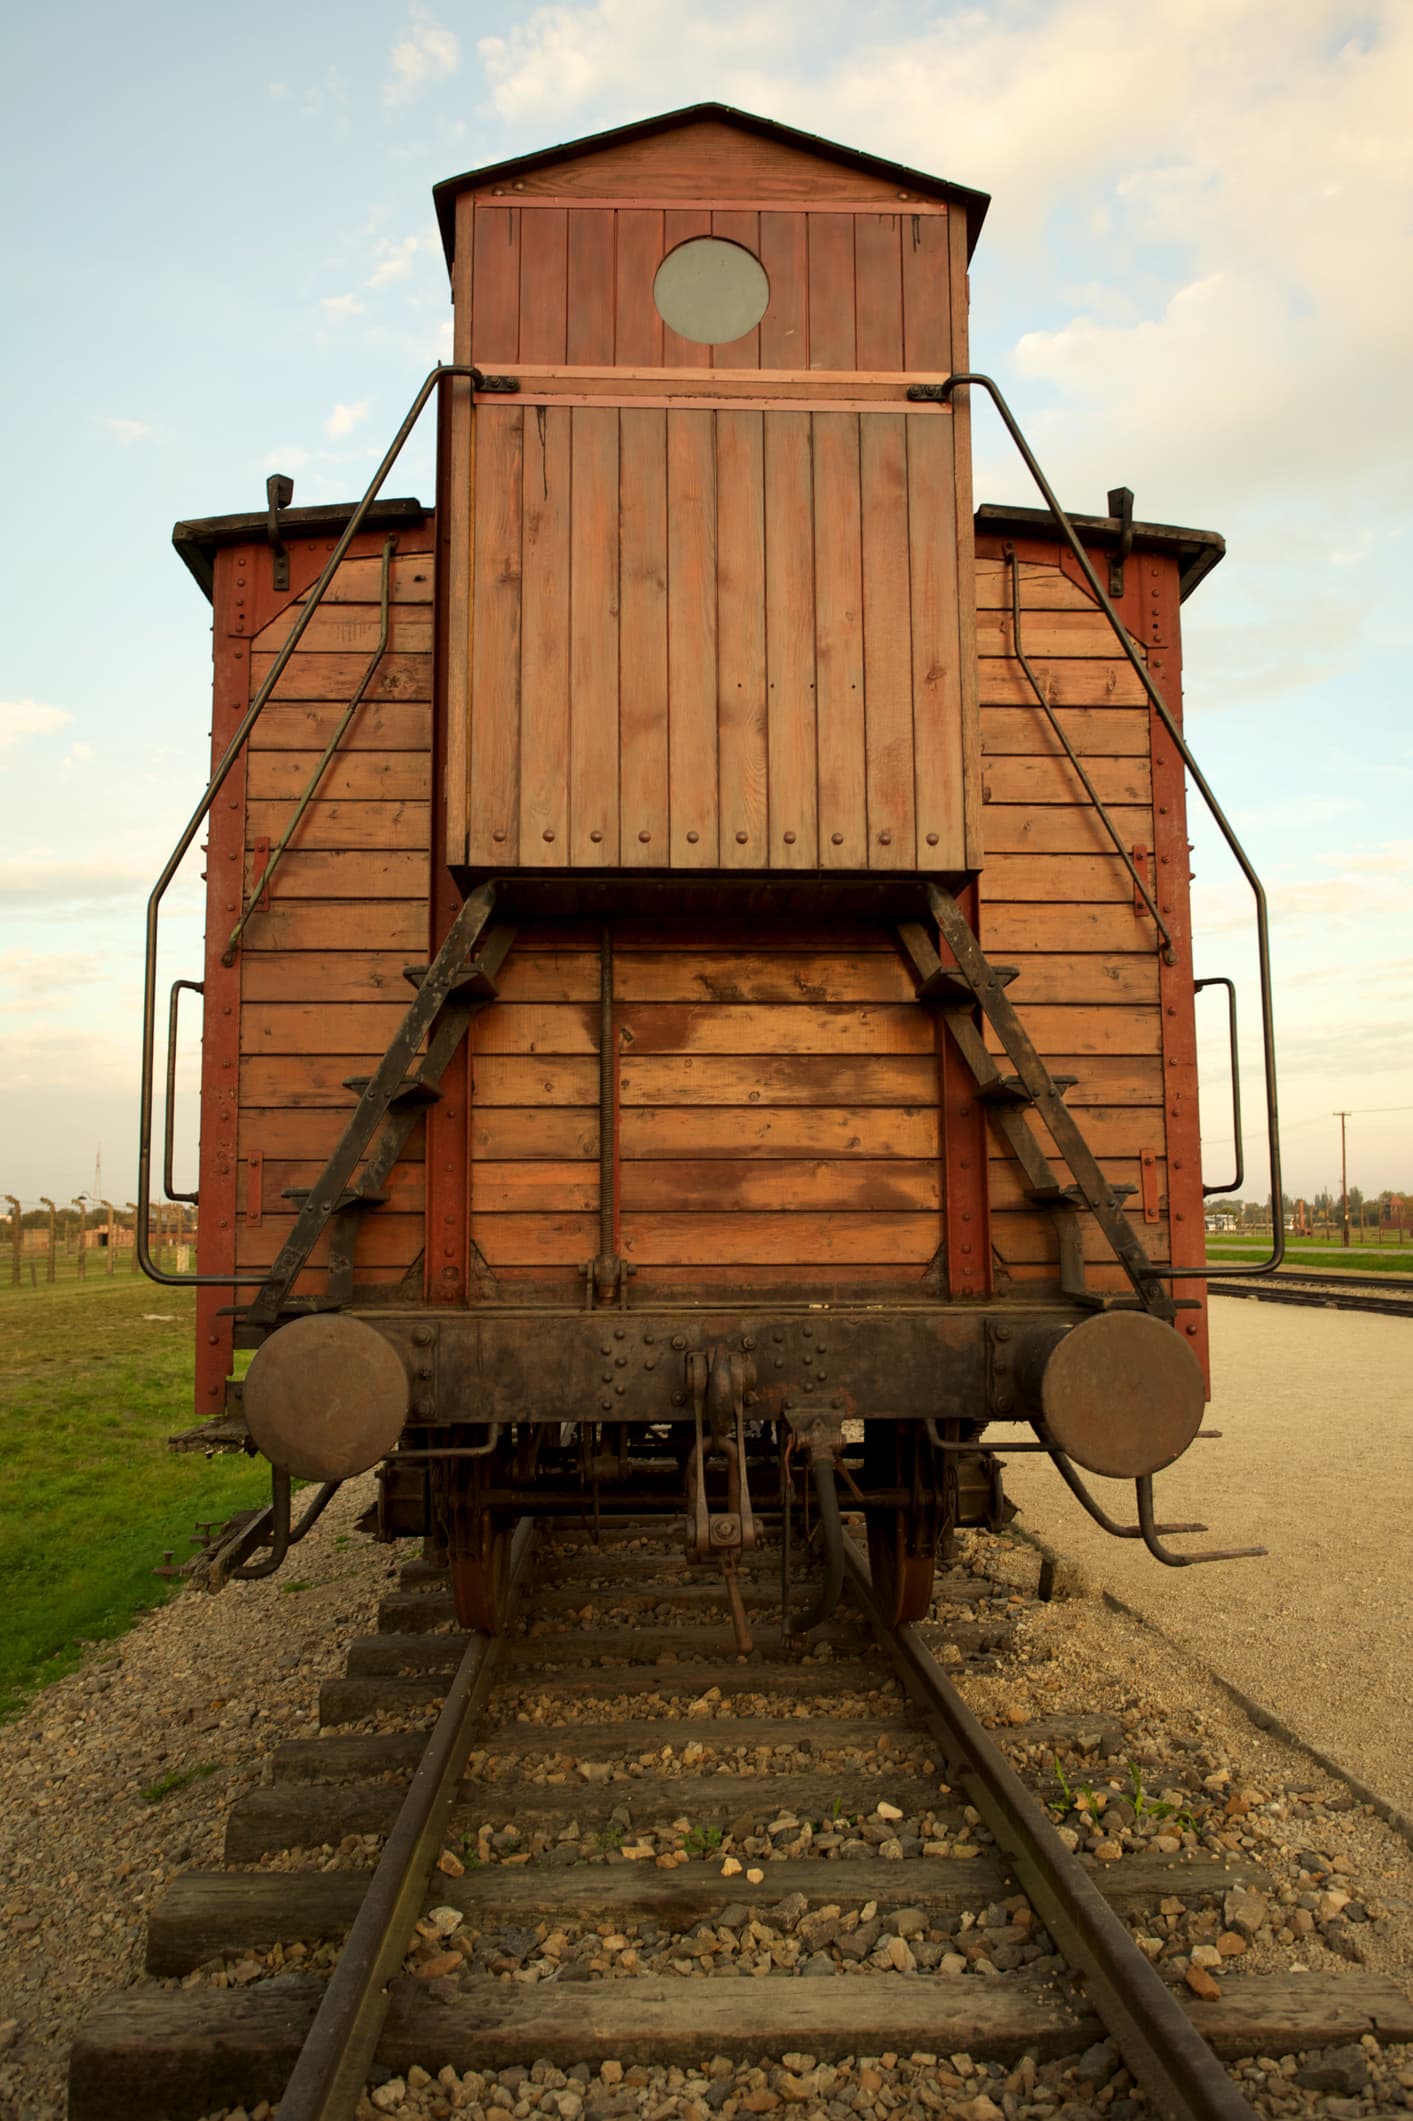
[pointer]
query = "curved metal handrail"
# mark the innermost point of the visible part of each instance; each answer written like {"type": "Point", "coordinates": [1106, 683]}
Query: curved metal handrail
{"type": "Point", "coordinates": [449, 373]}
{"type": "Point", "coordinates": [941, 393]}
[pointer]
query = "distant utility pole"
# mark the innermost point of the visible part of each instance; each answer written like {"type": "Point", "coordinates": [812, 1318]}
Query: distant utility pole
{"type": "Point", "coordinates": [49, 1269]}
{"type": "Point", "coordinates": [111, 1236]}
{"type": "Point", "coordinates": [16, 1238]}
{"type": "Point", "coordinates": [1343, 1175]}
{"type": "Point", "coordinates": [81, 1203]}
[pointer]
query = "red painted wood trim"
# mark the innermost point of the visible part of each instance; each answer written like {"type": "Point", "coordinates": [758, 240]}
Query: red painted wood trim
{"type": "Point", "coordinates": [966, 1146]}
{"type": "Point", "coordinates": [449, 1168]}
{"type": "Point", "coordinates": [235, 609]}
{"type": "Point", "coordinates": [1150, 609]}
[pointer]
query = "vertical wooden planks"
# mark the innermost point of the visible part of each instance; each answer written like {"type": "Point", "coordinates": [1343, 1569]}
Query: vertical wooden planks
{"type": "Point", "coordinates": [590, 282]}
{"type": "Point", "coordinates": [932, 535]}
{"type": "Point", "coordinates": [887, 638]}
{"type": "Point", "coordinates": [878, 291]}
{"type": "Point", "coordinates": [741, 679]}
{"type": "Point", "coordinates": [838, 601]}
{"type": "Point", "coordinates": [544, 660]}
{"type": "Point", "coordinates": [785, 327]}
{"type": "Point", "coordinates": [456, 536]}
{"type": "Point", "coordinates": [691, 618]}
{"type": "Point", "coordinates": [831, 291]}
{"type": "Point", "coordinates": [495, 644]}
{"type": "Point", "coordinates": [638, 334]}
{"type": "Point", "coordinates": [680, 224]}
{"type": "Point", "coordinates": [927, 291]}
{"type": "Point", "coordinates": [969, 729]}
{"type": "Point", "coordinates": [544, 284]}
{"type": "Point", "coordinates": [593, 639]}
{"type": "Point", "coordinates": [495, 286]}
{"type": "Point", "coordinates": [642, 636]}
{"type": "Point", "coordinates": [745, 230]}
{"type": "Point", "coordinates": [790, 643]}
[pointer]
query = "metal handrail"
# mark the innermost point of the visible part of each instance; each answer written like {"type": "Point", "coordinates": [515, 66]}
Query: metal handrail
{"type": "Point", "coordinates": [1219, 979]}
{"type": "Point", "coordinates": [179, 986]}
{"type": "Point", "coordinates": [452, 372]}
{"type": "Point", "coordinates": [940, 393]}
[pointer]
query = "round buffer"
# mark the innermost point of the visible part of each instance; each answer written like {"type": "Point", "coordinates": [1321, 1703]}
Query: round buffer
{"type": "Point", "coordinates": [1122, 1395]}
{"type": "Point", "coordinates": [325, 1397]}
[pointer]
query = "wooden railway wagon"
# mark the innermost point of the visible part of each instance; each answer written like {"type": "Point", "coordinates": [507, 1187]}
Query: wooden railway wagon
{"type": "Point", "coordinates": [698, 940]}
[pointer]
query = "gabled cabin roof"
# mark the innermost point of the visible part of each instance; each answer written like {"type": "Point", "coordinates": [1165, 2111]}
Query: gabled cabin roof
{"type": "Point", "coordinates": [897, 174]}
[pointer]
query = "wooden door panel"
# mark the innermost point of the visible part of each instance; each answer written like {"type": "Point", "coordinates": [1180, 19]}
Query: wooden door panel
{"type": "Point", "coordinates": [715, 638]}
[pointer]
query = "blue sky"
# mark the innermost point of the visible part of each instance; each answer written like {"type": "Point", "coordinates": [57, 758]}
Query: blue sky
{"type": "Point", "coordinates": [1194, 280]}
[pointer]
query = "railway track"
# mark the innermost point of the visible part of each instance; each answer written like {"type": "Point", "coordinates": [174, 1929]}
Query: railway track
{"type": "Point", "coordinates": [1380, 1293]}
{"type": "Point", "coordinates": [609, 1802]}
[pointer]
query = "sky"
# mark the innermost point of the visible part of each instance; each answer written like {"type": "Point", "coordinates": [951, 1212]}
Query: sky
{"type": "Point", "coordinates": [1196, 279]}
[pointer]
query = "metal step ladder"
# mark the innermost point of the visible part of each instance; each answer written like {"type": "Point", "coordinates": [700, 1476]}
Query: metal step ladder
{"type": "Point", "coordinates": [959, 988]}
{"type": "Point", "coordinates": [451, 992]}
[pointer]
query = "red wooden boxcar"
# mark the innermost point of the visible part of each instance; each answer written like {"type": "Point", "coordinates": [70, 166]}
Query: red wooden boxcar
{"type": "Point", "coordinates": [684, 974]}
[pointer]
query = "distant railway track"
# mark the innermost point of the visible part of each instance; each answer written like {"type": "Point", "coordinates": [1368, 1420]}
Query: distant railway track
{"type": "Point", "coordinates": [611, 1718]}
{"type": "Point", "coordinates": [1384, 1293]}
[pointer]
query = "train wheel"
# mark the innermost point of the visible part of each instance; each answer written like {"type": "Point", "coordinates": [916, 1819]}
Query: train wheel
{"type": "Point", "coordinates": [479, 1582]}
{"type": "Point", "coordinates": [902, 1581]}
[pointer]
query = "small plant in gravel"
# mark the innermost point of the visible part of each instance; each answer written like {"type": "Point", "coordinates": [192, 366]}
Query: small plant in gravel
{"type": "Point", "coordinates": [301, 1583]}
{"type": "Point", "coordinates": [609, 1837]}
{"type": "Point", "coordinates": [1146, 1807]}
{"type": "Point", "coordinates": [176, 1780]}
{"type": "Point", "coordinates": [1073, 1797]}
{"type": "Point", "coordinates": [703, 1840]}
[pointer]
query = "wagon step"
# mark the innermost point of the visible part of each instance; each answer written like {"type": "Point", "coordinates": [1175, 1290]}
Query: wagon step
{"type": "Point", "coordinates": [475, 984]}
{"type": "Point", "coordinates": [351, 1197]}
{"type": "Point", "coordinates": [1010, 1090]}
{"type": "Point", "coordinates": [410, 1091]}
{"type": "Point", "coordinates": [1056, 1195]}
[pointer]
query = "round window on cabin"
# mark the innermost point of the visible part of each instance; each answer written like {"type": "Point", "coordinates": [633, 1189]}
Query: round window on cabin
{"type": "Point", "coordinates": [711, 290]}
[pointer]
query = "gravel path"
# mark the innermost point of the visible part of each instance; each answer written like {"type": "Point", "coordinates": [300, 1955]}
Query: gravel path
{"type": "Point", "coordinates": [202, 1689]}
{"type": "Point", "coordinates": [1315, 1463]}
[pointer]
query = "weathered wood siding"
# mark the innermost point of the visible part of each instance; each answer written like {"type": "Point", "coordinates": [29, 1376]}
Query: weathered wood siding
{"type": "Point", "coordinates": [321, 965]}
{"type": "Point", "coordinates": [712, 614]}
{"type": "Point", "coordinates": [779, 1095]}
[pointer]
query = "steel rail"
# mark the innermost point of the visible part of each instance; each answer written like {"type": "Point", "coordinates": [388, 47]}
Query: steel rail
{"type": "Point", "coordinates": [941, 393]}
{"type": "Point", "coordinates": [328, 2079]}
{"type": "Point", "coordinates": [1171, 2061]}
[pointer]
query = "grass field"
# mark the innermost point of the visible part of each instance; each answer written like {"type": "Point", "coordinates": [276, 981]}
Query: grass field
{"type": "Point", "coordinates": [94, 1377]}
{"type": "Point", "coordinates": [1318, 1254]}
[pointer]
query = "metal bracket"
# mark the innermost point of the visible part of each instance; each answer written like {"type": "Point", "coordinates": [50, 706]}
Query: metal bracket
{"type": "Point", "coordinates": [502, 386]}
{"type": "Point", "coordinates": [279, 492]}
{"type": "Point", "coordinates": [929, 393]}
{"type": "Point", "coordinates": [1121, 510]}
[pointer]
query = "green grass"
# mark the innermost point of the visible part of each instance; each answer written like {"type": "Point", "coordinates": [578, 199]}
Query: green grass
{"type": "Point", "coordinates": [176, 1780]}
{"type": "Point", "coordinates": [90, 1496]}
{"type": "Point", "coordinates": [1318, 1253]}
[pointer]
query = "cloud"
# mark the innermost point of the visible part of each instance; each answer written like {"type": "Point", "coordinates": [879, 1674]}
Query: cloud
{"type": "Point", "coordinates": [395, 261]}
{"type": "Point", "coordinates": [278, 90]}
{"type": "Point", "coordinates": [344, 418]}
{"type": "Point", "coordinates": [125, 430]}
{"type": "Point", "coordinates": [427, 53]}
{"type": "Point", "coordinates": [288, 460]}
{"type": "Point", "coordinates": [39, 880]}
{"type": "Point", "coordinates": [77, 755]}
{"type": "Point", "coordinates": [22, 719]}
{"type": "Point", "coordinates": [344, 305]}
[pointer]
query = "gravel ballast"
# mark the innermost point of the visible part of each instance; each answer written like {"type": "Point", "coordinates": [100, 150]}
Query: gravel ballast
{"type": "Point", "coordinates": [1314, 1463]}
